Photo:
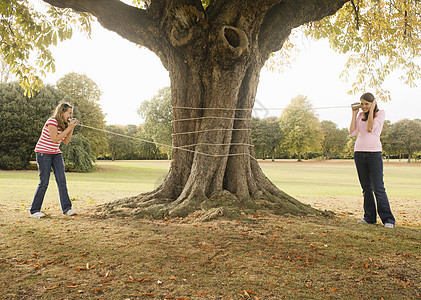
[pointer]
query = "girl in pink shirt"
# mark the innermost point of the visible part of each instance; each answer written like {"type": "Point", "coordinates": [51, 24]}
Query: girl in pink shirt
{"type": "Point", "coordinates": [368, 124]}
{"type": "Point", "coordinates": [59, 128]}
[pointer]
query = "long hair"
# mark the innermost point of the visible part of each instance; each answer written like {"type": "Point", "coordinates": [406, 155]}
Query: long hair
{"type": "Point", "coordinates": [369, 97]}
{"type": "Point", "coordinates": [58, 115]}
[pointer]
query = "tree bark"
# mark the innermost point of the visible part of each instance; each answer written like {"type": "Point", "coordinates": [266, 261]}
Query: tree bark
{"type": "Point", "coordinates": [214, 58]}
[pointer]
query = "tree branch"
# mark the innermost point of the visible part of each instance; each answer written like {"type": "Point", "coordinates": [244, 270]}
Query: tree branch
{"type": "Point", "coordinates": [131, 23]}
{"type": "Point", "coordinates": [289, 14]}
{"type": "Point", "coordinates": [357, 14]}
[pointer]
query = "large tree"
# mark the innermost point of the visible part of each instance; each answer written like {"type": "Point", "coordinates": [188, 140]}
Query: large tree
{"type": "Point", "coordinates": [214, 51]}
{"type": "Point", "coordinates": [266, 136]}
{"type": "Point", "coordinates": [85, 95]}
{"type": "Point", "coordinates": [301, 129]}
{"type": "Point", "coordinates": [408, 135]}
{"type": "Point", "coordinates": [334, 140]}
{"type": "Point", "coordinates": [21, 122]}
{"type": "Point", "coordinates": [157, 115]}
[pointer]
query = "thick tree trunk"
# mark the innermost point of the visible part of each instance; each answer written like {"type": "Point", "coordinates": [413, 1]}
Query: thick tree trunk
{"type": "Point", "coordinates": [213, 163]}
{"type": "Point", "coordinates": [214, 58]}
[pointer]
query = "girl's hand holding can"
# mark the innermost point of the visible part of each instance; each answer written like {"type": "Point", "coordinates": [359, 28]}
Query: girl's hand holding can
{"type": "Point", "coordinates": [356, 106]}
{"type": "Point", "coordinates": [72, 122]}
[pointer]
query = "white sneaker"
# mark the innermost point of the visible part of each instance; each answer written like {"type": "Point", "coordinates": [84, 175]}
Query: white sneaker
{"type": "Point", "coordinates": [389, 225]}
{"type": "Point", "coordinates": [362, 221]}
{"type": "Point", "coordinates": [70, 212]}
{"type": "Point", "coordinates": [38, 215]}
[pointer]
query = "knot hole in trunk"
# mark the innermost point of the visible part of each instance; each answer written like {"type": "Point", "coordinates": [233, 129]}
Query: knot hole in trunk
{"type": "Point", "coordinates": [233, 40]}
{"type": "Point", "coordinates": [232, 37]}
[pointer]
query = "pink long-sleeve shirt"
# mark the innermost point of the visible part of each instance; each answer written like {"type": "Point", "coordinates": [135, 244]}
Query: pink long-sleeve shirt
{"type": "Point", "coordinates": [369, 141]}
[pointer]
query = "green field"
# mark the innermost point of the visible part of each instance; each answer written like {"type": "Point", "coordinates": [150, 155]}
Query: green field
{"type": "Point", "coordinates": [331, 185]}
{"type": "Point", "coordinates": [339, 177]}
{"type": "Point", "coordinates": [127, 178]}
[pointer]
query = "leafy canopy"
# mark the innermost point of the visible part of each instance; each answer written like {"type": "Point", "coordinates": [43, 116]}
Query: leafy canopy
{"type": "Point", "coordinates": [27, 30]}
{"type": "Point", "coordinates": [380, 36]}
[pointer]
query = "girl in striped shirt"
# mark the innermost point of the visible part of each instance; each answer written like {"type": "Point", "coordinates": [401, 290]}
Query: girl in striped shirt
{"type": "Point", "coordinates": [58, 128]}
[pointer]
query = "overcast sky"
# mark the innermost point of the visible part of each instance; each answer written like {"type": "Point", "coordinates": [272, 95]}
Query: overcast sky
{"type": "Point", "coordinates": [127, 75]}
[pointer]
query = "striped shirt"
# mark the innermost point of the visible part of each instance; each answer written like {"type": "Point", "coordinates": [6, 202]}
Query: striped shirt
{"type": "Point", "coordinates": [45, 144]}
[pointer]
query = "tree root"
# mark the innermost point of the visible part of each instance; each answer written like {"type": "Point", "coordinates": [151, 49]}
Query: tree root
{"type": "Point", "coordinates": [222, 204]}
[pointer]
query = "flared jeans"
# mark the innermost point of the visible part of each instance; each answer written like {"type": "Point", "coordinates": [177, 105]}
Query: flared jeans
{"type": "Point", "coordinates": [370, 173]}
{"type": "Point", "coordinates": [46, 162]}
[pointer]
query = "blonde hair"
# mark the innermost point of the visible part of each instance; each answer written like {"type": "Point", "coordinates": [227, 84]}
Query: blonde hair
{"type": "Point", "coordinates": [58, 115]}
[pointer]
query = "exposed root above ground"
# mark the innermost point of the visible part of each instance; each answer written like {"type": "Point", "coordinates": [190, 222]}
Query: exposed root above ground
{"type": "Point", "coordinates": [222, 204]}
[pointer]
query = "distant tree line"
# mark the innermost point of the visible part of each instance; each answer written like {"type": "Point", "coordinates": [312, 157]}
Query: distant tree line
{"type": "Point", "coordinates": [297, 133]}
{"type": "Point", "coordinates": [22, 119]}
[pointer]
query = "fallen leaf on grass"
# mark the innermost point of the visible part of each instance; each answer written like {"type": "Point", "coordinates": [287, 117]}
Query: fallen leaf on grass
{"type": "Point", "coordinates": [251, 292]}
{"type": "Point", "coordinates": [400, 277]}
{"type": "Point", "coordinates": [51, 288]}
{"type": "Point", "coordinates": [272, 283]}
{"type": "Point", "coordinates": [202, 293]}
{"type": "Point", "coordinates": [21, 263]}
{"type": "Point", "coordinates": [132, 280]}
{"type": "Point", "coordinates": [97, 291]}
{"type": "Point", "coordinates": [85, 268]}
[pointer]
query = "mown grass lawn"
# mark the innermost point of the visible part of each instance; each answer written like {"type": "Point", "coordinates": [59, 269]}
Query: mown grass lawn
{"type": "Point", "coordinates": [261, 257]}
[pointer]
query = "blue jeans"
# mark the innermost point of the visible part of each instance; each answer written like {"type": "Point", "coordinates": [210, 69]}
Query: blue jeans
{"type": "Point", "coordinates": [370, 173]}
{"type": "Point", "coordinates": [45, 163]}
